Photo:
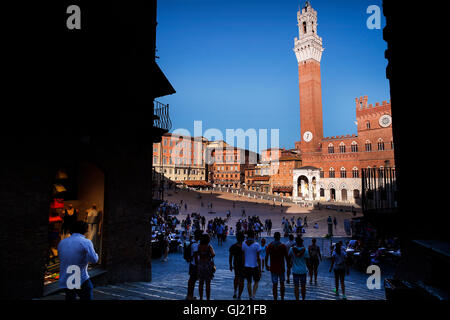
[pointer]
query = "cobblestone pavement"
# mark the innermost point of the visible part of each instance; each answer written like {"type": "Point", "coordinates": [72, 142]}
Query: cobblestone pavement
{"type": "Point", "coordinates": [170, 282]}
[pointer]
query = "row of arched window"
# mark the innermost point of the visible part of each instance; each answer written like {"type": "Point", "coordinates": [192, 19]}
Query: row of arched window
{"type": "Point", "coordinates": [342, 173]}
{"type": "Point", "coordinates": [354, 146]}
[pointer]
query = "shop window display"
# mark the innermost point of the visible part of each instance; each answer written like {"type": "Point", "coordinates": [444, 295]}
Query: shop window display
{"type": "Point", "coordinates": [77, 192]}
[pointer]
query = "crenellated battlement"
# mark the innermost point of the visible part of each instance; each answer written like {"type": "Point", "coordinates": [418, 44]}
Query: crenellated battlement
{"type": "Point", "coordinates": [347, 136]}
{"type": "Point", "coordinates": [361, 104]}
{"type": "Point", "coordinates": [363, 109]}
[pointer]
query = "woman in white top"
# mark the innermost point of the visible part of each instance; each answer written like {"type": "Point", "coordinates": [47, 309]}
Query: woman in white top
{"type": "Point", "coordinates": [339, 263]}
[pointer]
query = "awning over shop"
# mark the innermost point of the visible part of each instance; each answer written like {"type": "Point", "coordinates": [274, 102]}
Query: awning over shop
{"type": "Point", "coordinates": [196, 183]}
{"type": "Point", "coordinates": [282, 189]}
{"type": "Point", "coordinates": [259, 178]}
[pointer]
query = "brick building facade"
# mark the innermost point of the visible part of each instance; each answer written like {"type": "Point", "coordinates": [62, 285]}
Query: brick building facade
{"type": "Point", "coordinates": [180, 158]}
{"type": "Point", "coordinates": [336, 161]}
{"type": "Point", "coordinates": [228, 164]}
{"type": "Point", "coordinates": [282, 171]}
{"type": "Point", "coordinates": [257, 177]}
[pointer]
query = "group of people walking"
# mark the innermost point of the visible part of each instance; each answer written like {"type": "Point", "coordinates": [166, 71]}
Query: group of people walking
{"type": "Point", "coordinates": [294, 225]}
{"type": "Point", "coordinates": [248, 259]}
{"type": "Point", "coordinates": [253, 223]}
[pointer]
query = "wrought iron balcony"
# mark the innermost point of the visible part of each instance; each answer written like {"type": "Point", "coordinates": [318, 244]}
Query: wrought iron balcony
{"type": "Point", "coordinates": [379, 190]}
{"type": "Point", "coordinates": [161, 118]}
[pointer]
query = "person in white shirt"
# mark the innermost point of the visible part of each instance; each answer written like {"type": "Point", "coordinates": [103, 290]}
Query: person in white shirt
{"type": "Point", "coordinates": [75, 253]}
{"type": "Point", "coordinates": [252, 263]}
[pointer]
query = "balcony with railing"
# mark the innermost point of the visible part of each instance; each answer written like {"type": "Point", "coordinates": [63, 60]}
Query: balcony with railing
{"type": "Point", "coordinates": [161, 118]}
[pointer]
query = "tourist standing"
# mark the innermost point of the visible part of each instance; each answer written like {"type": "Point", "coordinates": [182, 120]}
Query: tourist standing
{"type": "Point", "coordinates": [269, 227]}
{"type": "Point", "coordinates": [252, 267]}
{"type": "Point", "coordinates": [165, 246]}
{"type": "Point", "coordinates": [330, 226]}
{"type": "Point", "coordinates": [76, 250]}
{"type": "Point", "coordinates": [193, 270]}
{"type": "Point", "coordinates": [277, 253]}
{"type": "Point", "coordinates": [289, 245]}
{"type": "Point", "coordinates": [299, 222]}
{"type": "Point", "coordinates": [262, 253]}
{"type": "Point", "coordinates": [315, 258]}
{"type": "Point", "coordinates": [338, 265]}
{"type": "Point", "coordinates": [204, 260]}
{"type": "Point", "coordinates": [298, 256]}
{"type": "Point", "coordinates": [219, 231]}
{"type": "Point", "coordinates": [203, 222]}
{"type": "Point", "coordinates": [236, 262]}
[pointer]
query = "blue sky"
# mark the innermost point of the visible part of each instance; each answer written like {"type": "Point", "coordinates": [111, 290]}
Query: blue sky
{"type": "Point", "coordinates": [232, 64]}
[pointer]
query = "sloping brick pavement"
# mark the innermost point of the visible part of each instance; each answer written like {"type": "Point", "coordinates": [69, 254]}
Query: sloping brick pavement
{"type": "Point", "coordinates": [170, 283]}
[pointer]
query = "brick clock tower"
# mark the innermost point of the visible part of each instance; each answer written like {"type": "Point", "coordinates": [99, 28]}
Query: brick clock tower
{"type": "Point", "coordinates": [308, 50]}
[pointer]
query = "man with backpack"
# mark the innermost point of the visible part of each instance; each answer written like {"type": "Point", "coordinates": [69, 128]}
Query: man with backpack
{"type": "Point", "coordinates": [188, 255]}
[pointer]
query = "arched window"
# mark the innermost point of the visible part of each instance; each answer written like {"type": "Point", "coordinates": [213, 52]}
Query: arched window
{"type": "Point", "coordinates": [342, 147]}
{"type": "Point", "coordinates": [380, 144]}
{"type": "Point", "coordinates": [343, 173]}
{"type": "Point", "coordinates": [355, 172]}
{"type": "Point", "coordinates": [322, 173]}
{"type": "Point", "coordinates": [330, 148]}
{"type": "Point", "coordinates": [368, 125]}
{"type": "Point", "coordinates": [331, 172]}
{"type": "Point", "coordinates": [354, 146]}
{"type": "Point", "coordinates": [304, 27]}
{"type": "Point", "coordinates": [368, 145]}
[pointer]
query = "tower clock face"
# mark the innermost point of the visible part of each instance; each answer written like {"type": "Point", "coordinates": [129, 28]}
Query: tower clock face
{"type": "Point", "coordinates": [385, 121]}
{"type": "Point", "coordinates": [307, 136]}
